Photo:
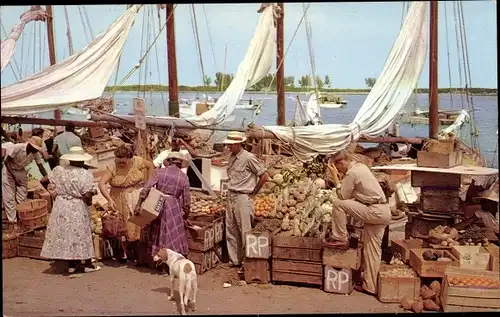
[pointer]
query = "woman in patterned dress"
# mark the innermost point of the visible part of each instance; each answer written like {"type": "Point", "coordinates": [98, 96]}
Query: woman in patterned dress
{"type": "Point", "coordinates": [126, 180]}
{"type": "Point", "coordinates": [167, 231]}
{"type": "Point", "coordinates": [69, 231]}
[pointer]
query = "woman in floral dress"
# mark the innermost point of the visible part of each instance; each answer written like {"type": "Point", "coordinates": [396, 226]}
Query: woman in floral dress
{"type": "Point", "coordinates": [126, 179]}
{"type": "Point", "coordinates": [69, 231]}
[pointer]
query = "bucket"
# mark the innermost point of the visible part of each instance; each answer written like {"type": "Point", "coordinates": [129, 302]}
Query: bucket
{"type": "Point", "coordinates": [33, 214]}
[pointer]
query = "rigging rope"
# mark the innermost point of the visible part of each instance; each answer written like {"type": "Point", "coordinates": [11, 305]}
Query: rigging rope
{"type": "Point", "coordinates": [68, 31]}
{"type": "Point", "coordinates": [88, 22]}
{"type": "Point", "coordinates": [158, 65]}
{"type": "Point", "coordinates": [140, 51]}
{"type": "Point", "coordinates": [198, 45]}
{"type": "Point", "coordinates": [138, 65]}
{"type": "Point", "coordinates": [146, 63]}
{"type": "Point", "coordinates": [13, 58]}
{"type": "Point", "coordinates": [209, 36]}
{"type": "Point", "coordinates": [457, 40]}
{"type": "Point", "coordinates": [83, 24]}
{"type": "Point", "coordinates": [448, 51]}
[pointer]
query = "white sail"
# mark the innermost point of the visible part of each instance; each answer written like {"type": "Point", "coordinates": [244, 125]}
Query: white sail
{"type": "Point", "coordinates": [308, 113]}
{"type": "Point", "coordinates": [386, 99]}
{"type": "Point", "coordinates": [459, 121]}
{"type": "Point", "coordinates": [35, 13]}
{"type": "Point", "coordinates": [256, 64]}
{"type": "Point", "coordinates": [83, 76]}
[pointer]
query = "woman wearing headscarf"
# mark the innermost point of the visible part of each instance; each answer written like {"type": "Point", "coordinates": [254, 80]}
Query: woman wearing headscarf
{"type": "Point", "coordinates": [126, 179]}
{"type": "Point", "coordinates": [167, 230]}
{"type": "Point", "coordinates": [69, 231]}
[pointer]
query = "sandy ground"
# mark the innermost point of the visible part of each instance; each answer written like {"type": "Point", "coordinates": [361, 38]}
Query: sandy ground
{"type": "Point", "coordinates": [31, 287]}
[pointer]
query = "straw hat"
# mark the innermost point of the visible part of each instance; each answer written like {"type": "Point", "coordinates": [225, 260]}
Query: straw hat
{"type": "Point", "coordinates": [183, 156]}
{"type": "Point", "coordinates": [234, 137]}
{"type": "Point", "coordinates": [490, 195]}
{"type": "Point", "coordinates": [77, 154]}
{"type": "Point", "coordinates": [37, 143]}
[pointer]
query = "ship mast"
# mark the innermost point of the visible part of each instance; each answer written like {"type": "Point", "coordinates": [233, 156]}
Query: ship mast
{"type": "Point", "coordinates": [433, 71]}
{"type": "Point", "coordinates": [52, 47]}
{"type": "Point", "coordinates": [280, 73]}
{"type": "Point", "coordinates": [173, 89]}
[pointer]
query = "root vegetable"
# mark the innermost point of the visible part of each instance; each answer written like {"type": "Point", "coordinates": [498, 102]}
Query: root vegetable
{"type": "Point", "coordinates": [444, 259]}
{"type": "Point", "coordinates": [430, 305]}
{"type": "Point", "coordinates": [407, 302]}
{"type": "Point", "coordinates": [436, 287]}
{"type": "Point", "coordinates": [417, 307]}
{"type": "Point", "coordinates": [426, 292]}
{"type": "Point", "coordinates": [444, 243]}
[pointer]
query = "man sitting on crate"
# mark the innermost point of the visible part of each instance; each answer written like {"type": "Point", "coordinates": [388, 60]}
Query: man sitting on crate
{"type": "Point", "coordinates": [360, 196]}
{"type": "Point", "coordinates": [246, 176]}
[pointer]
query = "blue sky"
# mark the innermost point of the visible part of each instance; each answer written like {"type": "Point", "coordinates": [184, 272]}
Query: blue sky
{"type": "Point", "coordinates": [351, 41]}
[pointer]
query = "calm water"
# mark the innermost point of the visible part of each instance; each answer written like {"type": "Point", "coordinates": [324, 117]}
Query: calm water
{"type": "Point", "coordinates": [486, 113]}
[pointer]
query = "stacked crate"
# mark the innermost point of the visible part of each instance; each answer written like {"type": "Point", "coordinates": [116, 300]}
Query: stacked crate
{"type": "Point", "coordinates": [205, 249]}
{"type": "Point", "coordinates": [257, 257]}
{"type": "Point", "coordinates": [339, 265]}
{"type": "Point", "coordinates": [297, 260]}
{"type": "Point", "coordinates": [33, 218]}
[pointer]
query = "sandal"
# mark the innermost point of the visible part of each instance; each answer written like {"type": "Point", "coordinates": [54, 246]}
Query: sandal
{"type": "Point", "coordinates": [92, 268]}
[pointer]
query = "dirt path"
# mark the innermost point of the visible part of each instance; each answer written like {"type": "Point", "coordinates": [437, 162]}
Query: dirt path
{"type": "Point", "coordinates": [31, 287]}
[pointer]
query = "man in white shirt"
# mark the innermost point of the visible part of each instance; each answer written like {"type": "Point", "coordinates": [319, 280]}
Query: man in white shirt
{"type": "Point", "coordinates": [67, 139]}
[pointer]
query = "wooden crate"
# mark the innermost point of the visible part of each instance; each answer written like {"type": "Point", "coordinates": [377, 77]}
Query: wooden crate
{"type": "Point", "coordinates": [439, 160]}
{"type": "Point", "coordinates": [469, 297]}
{"type": "Point", "coordinates": [216, 253]}
{"type": "Point", "coordinates": [341, 258]}
{"type": "Point", "coordinates": [394, 289]}
{"type": "Point", "coordinates": [440, 200]}
{"type": "Point", "coordinates": [297, 248]}
{"type": "Point", "coordinates": [338, 281]}
{"type": "Point", "coordinates": [291, 271]}
{"type": "Point", "coordinates": [218, 222]}
{"type": "Point", "coordinates": [472, 257]}
{"type": "Point", "coordinates": [30, 245]}
{"type": "Point", "coordinates": [202, 260]}
{"type": "Point", "coordinates": [202, 239]}
{"type": "Point", "coordinates": [434, 179]}
{"type": "Point", "coordinates": [257, 271]}
{"type": "Point", "coordinates": [430, 268]}
{"type": "Point", "coordinates": [96, 132]}
{"type": "Point", "coordinates": [401, 248]}
{"type": "Point", "coordinates": [494, 257]}
{"type": "Point", "coordinates": [258, 245]}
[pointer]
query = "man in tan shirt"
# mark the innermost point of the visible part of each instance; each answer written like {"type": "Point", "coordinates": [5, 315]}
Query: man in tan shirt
{"type": "Point", "coordinates": [361, 196]}
{"type": "Point", "coordinates": [14, 175]}
{"type": "Point", "coordinates": [246, 176]}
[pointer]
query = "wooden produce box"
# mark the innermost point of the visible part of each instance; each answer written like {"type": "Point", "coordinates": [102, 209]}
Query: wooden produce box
{"type": "Point", "coordinates": [96, 132]}
{"type": "Point", "coordinates": [218, 222]}
{"type": "Point", "coordinates": [338, 281]}
{"type": "Point", "coordinates": [257, 271]}
{"type": "Point", "coordinates": [392, 289]}
{"type": "Point", "coordinates": [341, 258]}
{"type": "Point", "coordinates": [202, 260]}
{"type": "Point", "coordinates": [434, 179]}
{"type": "Point", "coordinates": [494, 257]}
{"type": "Point", "coordinates": [216, 255]}
{"type": "Point", "coordinates": [291, 271]}
{"type": "Point", "coordinates": [430, 268]}
{"type": "Point", "coordinates": [202, 239]}
{"type": "Point", "coordinates": [439, 160]}
{"type": "Point", "coordinates": [258, 245]}
{"type": "Point", "coordinates": [401, 248]}
{"type": "Point", "coordinates": [468, 298]}
{"type": "Point", "coordinates": [440, 200]}
{"type": "Point", "coordinates": [30, 245]}
{"type": "Point", "coordinates": [297, 248]}
{"type": "Point", "coordinates": [472, 257]}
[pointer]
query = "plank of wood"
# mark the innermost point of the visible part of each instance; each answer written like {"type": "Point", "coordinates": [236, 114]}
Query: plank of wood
{"type": "Point", "coordinates": [461, 169]}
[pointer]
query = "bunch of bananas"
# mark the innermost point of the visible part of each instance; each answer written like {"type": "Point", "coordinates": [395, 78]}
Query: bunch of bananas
{"type": "Point", "coordinates": [315, 167]}
{"type": "Point", "coordinates": [289, 176]}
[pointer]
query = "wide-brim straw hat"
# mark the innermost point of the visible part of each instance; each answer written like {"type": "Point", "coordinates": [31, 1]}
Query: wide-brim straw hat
{"type": "Point", "coordinates": [76, 154]}
{"type": "Point", "coordinates": [490, 195]}
{"type": "Point", "coordinates": [181, 155]}
{"type": "Point", "coordinates": [234, 137]}
{"type": "Point", "coordinates": [37, 143]}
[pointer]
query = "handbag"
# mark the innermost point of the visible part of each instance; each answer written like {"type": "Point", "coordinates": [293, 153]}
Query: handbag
{"type": "Point", "coordinates": [113, 227]}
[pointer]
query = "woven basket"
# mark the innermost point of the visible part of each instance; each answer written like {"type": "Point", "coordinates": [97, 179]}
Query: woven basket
{"type": "Point", "coordinates": [10, 243]}
{"type": "Point", "coordinates": [441, 146]}
{"type": "Point", "coordinates": [33, 214]}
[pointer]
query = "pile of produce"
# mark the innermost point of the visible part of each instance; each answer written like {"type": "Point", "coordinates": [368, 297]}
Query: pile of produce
{"type": "Point", "coordinates": [95, 214]}
{"type": "Point", "coordinates": [438, 256]}
{"type": "Point", "coordinates": [398, 272]}
{"type": "Point", "coordinates": [204, 204]}
{"type": "Point", "coordinates": [316, 168]}
{"type": "Point", "coordinates": [429, 299]}
{"type": "Point", "coordinates": [265, 206]}
{"type": "Point", "coordinates": [476, 281]}
{"type": "Point", "coordinates": [473, 236]}
{"type": "Point", "coordinates": [444, 236]}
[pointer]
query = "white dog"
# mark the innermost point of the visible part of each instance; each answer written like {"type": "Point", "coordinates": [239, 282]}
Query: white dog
{"type": "Point", "coordinates": [185, 271]}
